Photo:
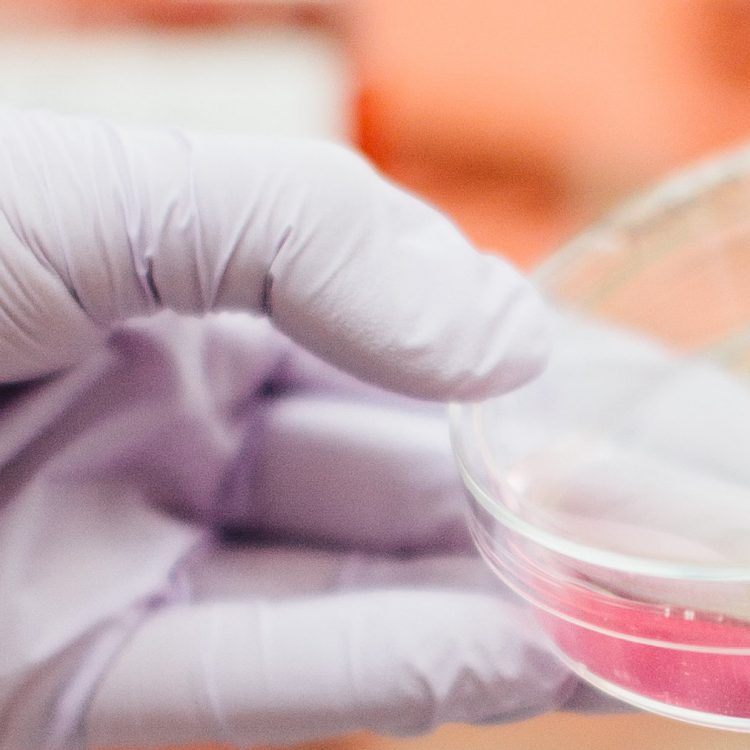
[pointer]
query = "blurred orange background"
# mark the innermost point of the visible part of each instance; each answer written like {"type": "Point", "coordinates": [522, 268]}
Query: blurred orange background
{"type": "Point", "coordinates": [524, 121]}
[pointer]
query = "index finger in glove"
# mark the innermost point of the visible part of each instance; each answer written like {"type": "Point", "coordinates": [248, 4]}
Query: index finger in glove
{"type": "Point", "coordinates": [100, 224]}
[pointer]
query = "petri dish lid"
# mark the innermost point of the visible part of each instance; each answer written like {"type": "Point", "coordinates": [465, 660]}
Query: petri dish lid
{"type": "Point", "coordinates": [632, 450]}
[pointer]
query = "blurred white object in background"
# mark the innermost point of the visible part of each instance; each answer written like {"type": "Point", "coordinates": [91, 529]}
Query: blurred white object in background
{"type": "Point", "coordinates": [264, 79]}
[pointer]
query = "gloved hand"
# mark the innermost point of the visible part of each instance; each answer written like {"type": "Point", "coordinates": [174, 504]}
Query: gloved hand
{"type": "Point", "coordinates": [355, 600]}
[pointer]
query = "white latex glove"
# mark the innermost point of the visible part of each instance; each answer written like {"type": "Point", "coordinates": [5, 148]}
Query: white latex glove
{"type": "Point", "coordinates": [120, 598]}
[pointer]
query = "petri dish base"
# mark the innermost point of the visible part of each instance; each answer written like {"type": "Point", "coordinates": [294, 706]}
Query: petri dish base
{"type": "Point", "coordinates": [613, 493]}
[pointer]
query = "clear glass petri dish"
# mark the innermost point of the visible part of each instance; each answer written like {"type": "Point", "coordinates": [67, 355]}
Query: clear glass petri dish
{"type": "Point", "coordinates": [613, 493]}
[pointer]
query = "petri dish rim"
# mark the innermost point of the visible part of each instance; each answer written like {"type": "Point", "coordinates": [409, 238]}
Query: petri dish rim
{"type": "Point", "coordinates": [586, 553]}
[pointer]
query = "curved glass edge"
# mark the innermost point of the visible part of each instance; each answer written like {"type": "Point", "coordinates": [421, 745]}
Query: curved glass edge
{"type": "Point", "coordinates": [682, 187]}
{"type": "Point", "coordinates": [651, 567]}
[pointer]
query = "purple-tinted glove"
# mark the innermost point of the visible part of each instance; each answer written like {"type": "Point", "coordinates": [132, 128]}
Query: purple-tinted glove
{"type": "Point", "coordinates": [355, 600]}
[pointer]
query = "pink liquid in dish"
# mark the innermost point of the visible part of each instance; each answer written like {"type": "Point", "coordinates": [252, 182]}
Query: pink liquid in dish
{"type": "Point", "coordinates": [703, 664]}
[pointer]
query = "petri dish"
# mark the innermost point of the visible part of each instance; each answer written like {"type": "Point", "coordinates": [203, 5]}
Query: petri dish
{"type": "Point", "coordinates": [613, 493]}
